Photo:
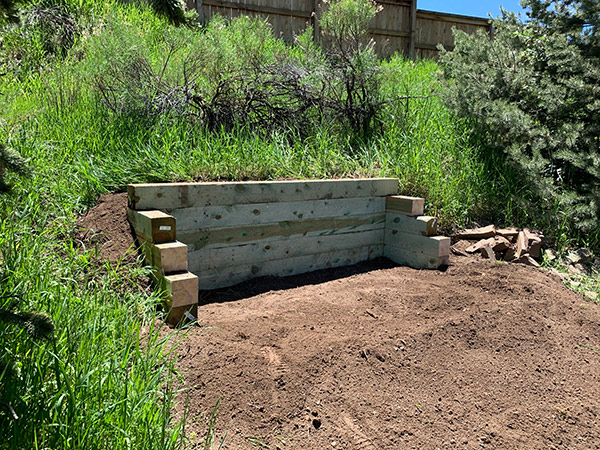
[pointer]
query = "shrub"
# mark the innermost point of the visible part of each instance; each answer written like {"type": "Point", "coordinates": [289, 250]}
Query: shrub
{"type": "Point", "coordinates": [532, 95]}
{"type": "Point", "coordinates": [174, 11]}
{"type": "Point", "coordinates": [354, 85]}
{"type": "Point", "coordinates": [237, 74]}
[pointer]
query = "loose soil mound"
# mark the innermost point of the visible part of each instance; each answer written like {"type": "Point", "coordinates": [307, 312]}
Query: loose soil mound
{"type": "Point", "coordinates": [106, 227]}
{"type": "Point", "coordinates": [484, 355]}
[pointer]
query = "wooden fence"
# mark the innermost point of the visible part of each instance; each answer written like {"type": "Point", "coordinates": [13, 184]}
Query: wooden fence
{"type": "Point", "coordinates": [400, 27]}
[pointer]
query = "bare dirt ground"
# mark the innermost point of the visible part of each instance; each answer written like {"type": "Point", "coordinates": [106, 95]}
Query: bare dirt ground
{"type": "Point", "coordinates": [482, 355]}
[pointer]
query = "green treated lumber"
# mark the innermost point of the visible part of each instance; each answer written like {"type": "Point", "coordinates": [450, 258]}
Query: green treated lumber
{"type": "Point", "coordinates": [229, 276]}
{"type": "Point", "coordinates": [169, 196]}
{"type": "Point", "coordinates": [154, 226]}
{"type": "Point", "coordinates": [264, 213]}
{"type": "Point", "coordinates": [245, 234]}
{"type": "Point", "coordinates": [279, 248]}
{"type": "Point", "coordinates": [182, 314]}
{"type": "Point", "coordinates": [167, 257]}
{"type": "Point", "coordinates": [412, 206]}
{"type": "Point", "coordinates": [429, 245]}
{"type": "Point", "coordinates": [421, 225]}
{"type": "Point", "coordinates": [181, 289]}
{"type": "Point", "coordinates": [414, 259]}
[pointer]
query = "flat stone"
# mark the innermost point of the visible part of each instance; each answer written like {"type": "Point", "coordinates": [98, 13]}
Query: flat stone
{"type": "Point", "coordinates": [476, 233]}
{"type": "Point", "coordinates": [527, 260]}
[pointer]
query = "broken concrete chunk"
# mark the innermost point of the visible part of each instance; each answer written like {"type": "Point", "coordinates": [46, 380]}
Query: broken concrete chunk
{"type": "Point", "coordinates": [488, 252]}
{"type": "Point", "coordinates": [527, 260]}
{"type": "Point", "coordinates": [476, 233]}
{"type": "Point", "coordinates": [501, 244]}
{"type": "Point", "coordinates": [509, 233]}
{"type": "Point", "coordinates": [459, 248]}
{"type": "Point", "coordinates": [480, 244]}
{"type": "Point", "coordinates": [521, 245]}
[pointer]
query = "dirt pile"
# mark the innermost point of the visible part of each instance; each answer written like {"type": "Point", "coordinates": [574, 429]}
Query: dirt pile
{"type": "Point", "coordinates": [484, 355]}
{"type": "Point", "coordinates": [105, 226]}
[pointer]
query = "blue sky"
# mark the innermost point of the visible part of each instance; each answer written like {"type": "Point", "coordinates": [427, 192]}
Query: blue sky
{"type": "Point", "coordinates": [478, 8]}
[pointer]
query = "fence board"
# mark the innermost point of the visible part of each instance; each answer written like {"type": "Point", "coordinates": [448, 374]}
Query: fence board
{"type": "Point", "coordinates": [399, 28]}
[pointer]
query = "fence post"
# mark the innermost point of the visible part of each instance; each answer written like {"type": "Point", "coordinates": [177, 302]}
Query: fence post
{"type": "Point", "coordinates": [316, 18]}
{"type": "Point", "coordinates": [412, 29]}
{"type": "Point", "coordinates": [200, 11]}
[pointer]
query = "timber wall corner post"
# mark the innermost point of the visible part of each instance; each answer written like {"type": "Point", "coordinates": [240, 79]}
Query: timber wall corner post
{"type": "Point", "coordinates": [156, 234]}
{"type": "Point", "coordinates": [410, 237]}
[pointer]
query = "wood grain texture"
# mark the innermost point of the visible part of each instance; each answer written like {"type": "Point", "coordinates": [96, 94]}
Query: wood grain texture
{"type": "Point", "coordinates": [170, 257]}
{"type": "Point", "coordinates": [246, 234]}
{"type": "Point", "coordinates": [421, 225]}
{"type": "Point", "coordinates": [414, 259]}
{"type": "Point", "coordinates": [170, 196]}
{"type": "Point", "coordinates": [279, 249]}
{"type": "Point", "coordinates": [153, 226]}
{"type": "Point", "coordinates": [217, 278]}
{"type": "Point", "coordinates": [189, 219]}
{"type": "Point", "coordinates": [181, 289]}
{"type": "Point", "coordinates": [399, 28]}
{"type": "Point", "coordinates": [412, 206]}
{"type": "Point", "coordinates": [437, 246]}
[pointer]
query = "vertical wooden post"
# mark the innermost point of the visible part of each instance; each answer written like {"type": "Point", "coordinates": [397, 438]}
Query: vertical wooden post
{"type": "Point", "coordinates": [412, 29]}
{"type": "Point", "coordinates": [316, 18]}
{"type": "Point", "coordinates": [200, 11]}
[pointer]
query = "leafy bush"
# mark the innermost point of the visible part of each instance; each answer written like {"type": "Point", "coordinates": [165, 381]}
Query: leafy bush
{"type": "Point", "coordinates": [238, 74]}
{"type": "Point", "coordinates": [532, 95]}
{"type": "Point", "coordinates": [354, 88]}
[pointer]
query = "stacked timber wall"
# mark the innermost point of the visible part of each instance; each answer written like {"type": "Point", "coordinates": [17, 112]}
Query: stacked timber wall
{"type": "Point", "coordinates": [231, 232]}
{"type": "Point", "coordinates": [400, 27]}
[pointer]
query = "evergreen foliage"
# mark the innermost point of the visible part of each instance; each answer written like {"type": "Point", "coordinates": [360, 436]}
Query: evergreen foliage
{"type": "Point", "coordinates": [533, 94]}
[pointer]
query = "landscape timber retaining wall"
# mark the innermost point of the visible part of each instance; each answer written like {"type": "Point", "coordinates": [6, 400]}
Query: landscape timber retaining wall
{"type": "Point", "coordinates": [212, 235]}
